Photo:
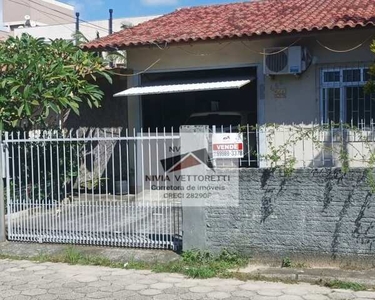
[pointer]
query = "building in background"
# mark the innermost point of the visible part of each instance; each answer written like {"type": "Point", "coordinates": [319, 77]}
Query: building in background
{"type": "Point", "coordinates": [90, 30]}
{"type": "Point", "coordinates": [16, 13]}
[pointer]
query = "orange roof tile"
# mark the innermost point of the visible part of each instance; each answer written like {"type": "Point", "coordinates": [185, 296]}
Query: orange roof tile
{"type": "Point", "coordinates": [244, 19]}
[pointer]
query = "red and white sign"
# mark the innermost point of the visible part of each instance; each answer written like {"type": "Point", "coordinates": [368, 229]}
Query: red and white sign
{"type": "Point", "coordinates": [227, 145]}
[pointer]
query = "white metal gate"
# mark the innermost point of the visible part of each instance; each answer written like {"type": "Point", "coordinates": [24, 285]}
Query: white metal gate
{"type": "Point", "coordinates": [84, 187]}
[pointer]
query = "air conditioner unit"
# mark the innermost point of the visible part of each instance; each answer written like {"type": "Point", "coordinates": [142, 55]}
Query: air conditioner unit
{"type": "Point", "coordinates": [280, 60]}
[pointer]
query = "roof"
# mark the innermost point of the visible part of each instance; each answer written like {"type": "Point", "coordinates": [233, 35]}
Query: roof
{"type": "Point", "coordinates": [245, 19]}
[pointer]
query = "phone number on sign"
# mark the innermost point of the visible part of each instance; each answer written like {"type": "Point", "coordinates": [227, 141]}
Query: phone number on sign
{"type": "Point", "coordinates": [228, 153]}
{"type": "Point", "coordinates": [187, 195]}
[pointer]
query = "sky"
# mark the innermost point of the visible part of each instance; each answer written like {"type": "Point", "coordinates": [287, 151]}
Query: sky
{"type": "Point", "coordinates": [98, 9]}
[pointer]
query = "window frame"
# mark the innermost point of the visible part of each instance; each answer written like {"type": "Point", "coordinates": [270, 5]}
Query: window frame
{"type": "Point", "coordinates": [342, 85]}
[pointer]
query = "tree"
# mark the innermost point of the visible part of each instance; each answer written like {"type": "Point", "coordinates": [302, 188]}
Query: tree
{"type": "Point", "coordinates": [370, 85]}
{"type": "Point", "coordinates": [38, 78]}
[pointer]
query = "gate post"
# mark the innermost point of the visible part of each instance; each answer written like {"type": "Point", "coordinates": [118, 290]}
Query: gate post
{"type": "Point", "coordinates": [193, 214]}
{"type": "Point", "coordinates": [2, 198]}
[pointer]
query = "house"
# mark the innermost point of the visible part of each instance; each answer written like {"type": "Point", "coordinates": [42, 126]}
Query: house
{"type": "Point", "coordinates": [284, 62]}
{"type": "Point", "coordinates": [302, 62]}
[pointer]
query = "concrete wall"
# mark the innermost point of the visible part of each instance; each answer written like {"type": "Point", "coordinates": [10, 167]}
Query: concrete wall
{"type": "Point", "coordinates": [302, 101]}
{"type": "Point", "coordinates": [40, 11]}
{"type": "Point", "coordinates": [313, 212]}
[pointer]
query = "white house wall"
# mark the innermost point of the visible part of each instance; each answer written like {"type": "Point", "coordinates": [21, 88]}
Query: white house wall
{"type": "Point", "coordinates": [302, 95]}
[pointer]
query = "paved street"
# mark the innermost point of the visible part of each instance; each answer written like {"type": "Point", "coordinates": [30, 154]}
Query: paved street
{"type": "Point", "coordinates": [28, 280]}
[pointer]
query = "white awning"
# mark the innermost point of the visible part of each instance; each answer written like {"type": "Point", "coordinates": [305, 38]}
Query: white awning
{"type": "Point", "coordinates": [183, 88]}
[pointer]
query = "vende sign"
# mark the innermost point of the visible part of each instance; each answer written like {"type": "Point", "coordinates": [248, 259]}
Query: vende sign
{"type": "Point", "coordinates": [227, 145]}
{"type": "Point", "coordinates": [217, 147]}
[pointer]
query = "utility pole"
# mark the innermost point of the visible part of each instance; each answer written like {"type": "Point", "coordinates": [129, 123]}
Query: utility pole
{"type": "Point", "coordinates": [110, 31]}
{"type": "Point", "coordinates": [110, 27]}
{"type": "Point", "coordinates": [77, 27]}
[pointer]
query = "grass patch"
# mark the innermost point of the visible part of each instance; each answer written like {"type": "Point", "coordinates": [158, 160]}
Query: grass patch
{"type": "Point", "coordinates": [70, 256]}
{"type": "Point", "coordinates": [259, 277]}
{"type": "Point", "coordinates": [288, 263]}
{"type": "Point", "coordinates": [197, 264]}
{"type": "Point", "coordinates": [343, 285]}
{"type": "Point", "coordinates": [194, 264]}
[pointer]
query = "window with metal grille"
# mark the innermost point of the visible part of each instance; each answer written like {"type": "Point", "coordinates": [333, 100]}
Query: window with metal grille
{"type": "Point", "coordinates": [343, 98]}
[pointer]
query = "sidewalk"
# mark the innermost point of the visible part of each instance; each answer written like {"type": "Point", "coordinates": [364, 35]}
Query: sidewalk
{"type": "Point", "coordinates": [311, 275]}
{"type": "Point", "coordinates": [123, 255]}
{"type": "Point", "coordinates": [47, 281]}
{"type": "Point", "coordinates": [30, 250]}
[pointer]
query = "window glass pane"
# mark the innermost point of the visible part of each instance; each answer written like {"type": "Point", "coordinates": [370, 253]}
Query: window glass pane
{"type": "Point", "coordinates": [352, 75]}
{"type": "Point", "coordinates": [324, 106]}
{"type": "Point", "coordinates": [367, 102]}
{"type": "Point", "coordinates": [330, 99]}
{"type": "Point", "coordinates": [355, 98]}
{"type": "Point", "coordinates": [349, 108]}
{"type": "Point", "coordinates": [360, 107]}
{"type": "Point", "coordinates": [337, 111]}
{"type": "Point", "coordinates": [333, 104]}
{"type": "Point", "coordinates": [332, 76]}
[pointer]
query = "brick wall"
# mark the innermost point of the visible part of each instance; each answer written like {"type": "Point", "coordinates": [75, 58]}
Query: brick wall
{"type": "Point", "coordinates": [318, 211]}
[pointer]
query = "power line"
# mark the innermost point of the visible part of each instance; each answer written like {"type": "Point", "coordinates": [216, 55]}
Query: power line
{"type": "Point", "coordinates": [204, 54]}
{"type": "Point", "coordinates": [346, 50]}
{"type": "Point", "coordinates": [70, 16]}
{"type": "Point", "coordinates": [47, 15]}
{"type": "Point", "coordinates": [138, 73]}
{"type": "Point", "coordinates": [60, 12]}
{"type": "Point", "coordinates": [271, 53]}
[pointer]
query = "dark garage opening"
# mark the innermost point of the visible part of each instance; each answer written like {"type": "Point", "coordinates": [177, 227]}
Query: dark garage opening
{"type": "Point", "coordinates": [218, 107]}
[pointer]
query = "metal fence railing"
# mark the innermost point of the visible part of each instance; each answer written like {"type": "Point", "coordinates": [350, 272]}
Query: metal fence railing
{"type": "Point", "coordinates": [89, 187]}
{"type": "Point", "coordinates": [83, 187]}
{"type": "Point", "coordinates": [315, 145]}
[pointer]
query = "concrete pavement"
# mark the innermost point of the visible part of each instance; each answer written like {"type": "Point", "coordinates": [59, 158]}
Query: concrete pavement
{"type": "Point", "coordinates": [22, 280]}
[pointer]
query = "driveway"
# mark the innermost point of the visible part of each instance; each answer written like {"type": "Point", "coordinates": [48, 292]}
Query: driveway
{"type": "Point", "coordinates": [28, 280]}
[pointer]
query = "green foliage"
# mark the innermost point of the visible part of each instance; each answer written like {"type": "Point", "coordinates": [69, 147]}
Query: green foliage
{"type": "Point", "coordinates": [39, 172]}
{"type": "Point", "coordinates": [370, 85]}
{"type": "Point", "coordinates": [72, 256]}
{"type": "Point", "coordinates": [197, 264]}
{"type": "Point", "coordinates": [286, 262]}
{"type": "Point", "coordinates": [38, 78]}
{"type": "Point", "coordinates": [345, 285]}
{"type": "Point", "coordinates": [281, 155]}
